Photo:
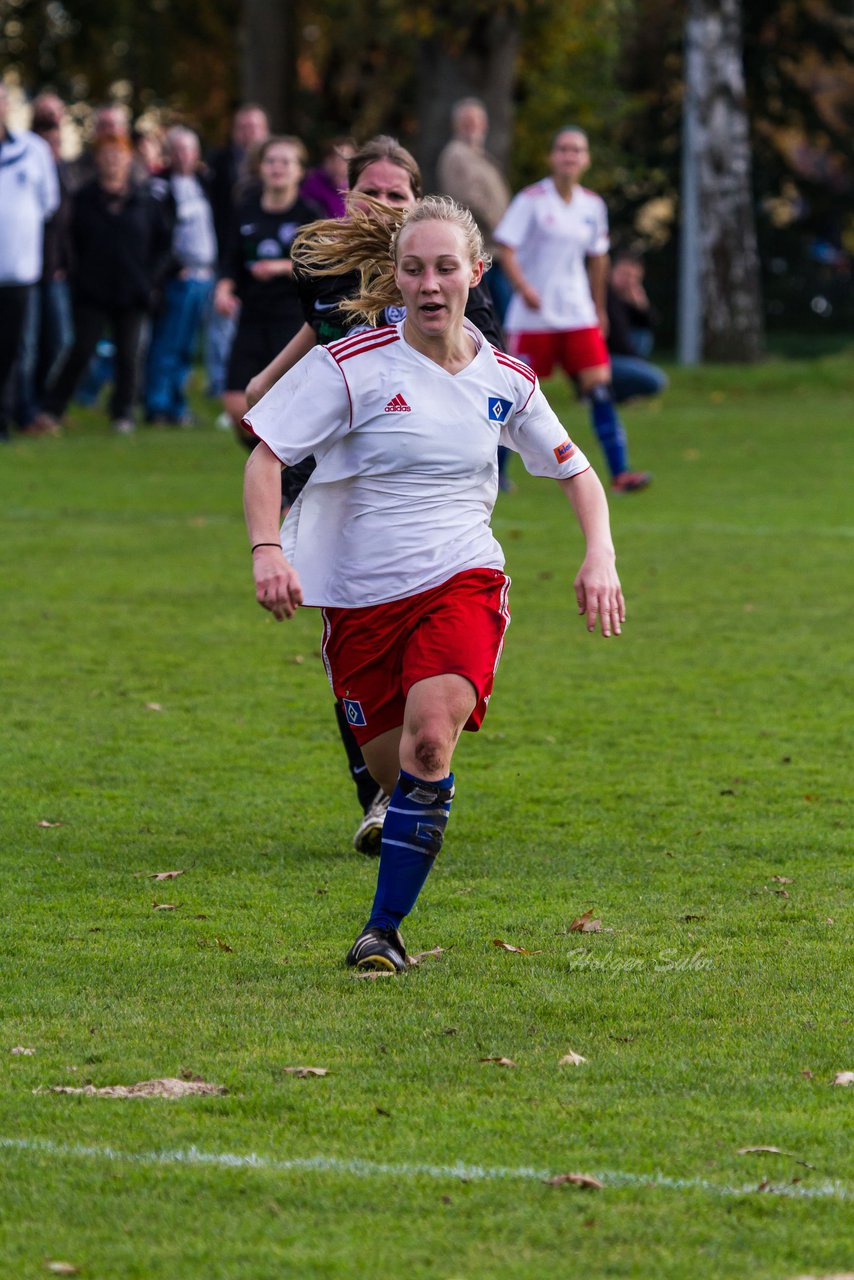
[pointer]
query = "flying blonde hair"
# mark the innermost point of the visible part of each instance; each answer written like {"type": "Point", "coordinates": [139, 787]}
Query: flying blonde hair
{"type": "Point", "coordinates": [368, 240]}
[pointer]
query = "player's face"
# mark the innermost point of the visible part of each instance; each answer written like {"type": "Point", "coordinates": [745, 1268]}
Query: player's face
{"type": "Point", "coordinates": [434, 274]}
{"type": "Point", "coordinates": [570, 155]}
{"type": "Point", "coordinates": [386, 182]}
{"type": "Point", "coordinates": [281, 167]}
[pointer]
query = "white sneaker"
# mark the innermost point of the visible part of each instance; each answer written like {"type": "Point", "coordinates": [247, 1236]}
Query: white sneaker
{"type": "Point", "coordinates": [369, 832]}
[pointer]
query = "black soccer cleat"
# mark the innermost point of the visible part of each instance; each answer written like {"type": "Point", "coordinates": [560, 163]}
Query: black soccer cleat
{"type": "Point", "coordinates": [378, 949]}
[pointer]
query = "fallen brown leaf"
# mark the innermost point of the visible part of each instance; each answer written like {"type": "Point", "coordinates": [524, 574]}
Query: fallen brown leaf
{"type": "Point", "coordinates": [153, 706]}
{"type": "Point", "coordinates": [44, 823]}
{"type": "Point", "coordinates": [373, 974]}
{"type": "Point", "coordinates": [62, 1268]}
{"type": "Point", "coordinates": [168, 1087]}
{"type": "Point", "coordinates": [223, 946]}
{"type": "Point", "coordinates": [783, 879]}
{"type": "Point", "coordinates": [844, 1077]}
{"type": "Point", "coordinates": [583, 923]}
{"type": "Point", "coordinates": [576, 1180]}
{"type": "Point", "coordinates": [571, 1059]}
{"type": "Point", "coordinates": [782, 893]}
{"type": "Point", "coordinates": [522, 951]}
{"type": "Point", "coordinates": [688, 918]}
{"type": "Point", "coordinates": [500, 1062]}
{"type": "Point", "coordinates": [807, 1074]}
{"type": "Point", "coordinates": [423, 955]}
{"type": "Point", "coordinates": [19, 1051]}
{"type": "Point", "coordinates": [165, 875]}
{"type": "Point", "coordinates": [164, 906]}
{"type": "Point", "coordinates": [303, 1073]}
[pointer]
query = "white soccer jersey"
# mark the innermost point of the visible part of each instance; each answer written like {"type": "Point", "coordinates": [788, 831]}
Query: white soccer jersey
{"type": "Point", "coordinates": [407, 471]}
{"type": "Point", "coordinates": [552, 240]}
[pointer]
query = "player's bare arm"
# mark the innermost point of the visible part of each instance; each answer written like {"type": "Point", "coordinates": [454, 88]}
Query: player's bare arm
{"type": "Point", "coordinates": [513, 271]}
{"type": "Point", "coordinates": [277, 584]}
{"type": "Point", "coordinates": [598, 268]}
{"type": "Point", "coordinates": [597, 586]}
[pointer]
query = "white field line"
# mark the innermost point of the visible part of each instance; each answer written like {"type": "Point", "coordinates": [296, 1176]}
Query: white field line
{"type": "Point", "coordinates": [192, 1156]}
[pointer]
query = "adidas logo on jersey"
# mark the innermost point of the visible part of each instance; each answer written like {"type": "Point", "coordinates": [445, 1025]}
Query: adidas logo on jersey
{"type": "Point", "coordinates": [397, 404]}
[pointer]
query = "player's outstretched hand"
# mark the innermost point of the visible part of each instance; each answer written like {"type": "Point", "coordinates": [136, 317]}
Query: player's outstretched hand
{"type": "Point", "coordinates": [277, 584]}
{"type": "Point", "coordinates": [598, 592]}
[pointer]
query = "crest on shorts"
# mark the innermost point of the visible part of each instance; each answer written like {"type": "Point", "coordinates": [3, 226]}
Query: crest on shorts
{"type": "Point", "coordinates": [498, 409]}
{"type": "Point", "coordinates": [353, 711]}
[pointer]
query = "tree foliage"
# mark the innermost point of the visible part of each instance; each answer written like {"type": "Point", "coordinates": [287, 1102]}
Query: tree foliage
{"type": "Point", "coordinates": [363, 66]}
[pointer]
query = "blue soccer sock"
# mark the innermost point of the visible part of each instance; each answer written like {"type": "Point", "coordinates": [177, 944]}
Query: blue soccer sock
{"type": "Point", "coordinates": [609, 429]}
{"type": "Point", "coordinates": [413, 831]}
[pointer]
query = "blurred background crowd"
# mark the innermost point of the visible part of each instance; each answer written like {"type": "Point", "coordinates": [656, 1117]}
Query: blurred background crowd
{"type": "Point", "coordinates": [135, 144]}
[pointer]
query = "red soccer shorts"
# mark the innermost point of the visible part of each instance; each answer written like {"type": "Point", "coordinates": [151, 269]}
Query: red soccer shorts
{"type": "Point", "coordinates": [574, 351]}
{"type": "Point", "coordinates": [375, 655]}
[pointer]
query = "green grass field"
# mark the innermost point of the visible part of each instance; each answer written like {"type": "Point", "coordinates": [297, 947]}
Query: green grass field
{"type": "Point", "coordinates": [689, 783]}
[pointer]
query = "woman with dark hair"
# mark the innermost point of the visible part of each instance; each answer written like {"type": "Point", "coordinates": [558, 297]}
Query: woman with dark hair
{"type": "Point", "coordinates": [258, 277]}
{"type": "Point", "coordinates": [405, 421]}
{"type": "Point", "coordinates": [329, 259]}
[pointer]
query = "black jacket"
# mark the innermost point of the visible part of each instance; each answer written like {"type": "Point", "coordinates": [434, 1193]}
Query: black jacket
{"type": "Point", "coordinates": [121, 247]}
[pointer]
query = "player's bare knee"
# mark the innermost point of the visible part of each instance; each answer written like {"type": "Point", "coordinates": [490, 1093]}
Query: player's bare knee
{"type": "Point", "coordinates": [430, 753]}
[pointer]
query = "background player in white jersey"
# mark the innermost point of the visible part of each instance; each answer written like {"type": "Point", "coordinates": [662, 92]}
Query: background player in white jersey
{"type": "Point", "coordinates": [404, 421]}
{"type": "Point", "coordinates": [554, 249]}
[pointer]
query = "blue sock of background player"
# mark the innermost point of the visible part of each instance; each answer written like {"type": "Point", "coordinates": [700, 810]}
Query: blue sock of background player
{"type": "Point", "coordinates": [609, 429]}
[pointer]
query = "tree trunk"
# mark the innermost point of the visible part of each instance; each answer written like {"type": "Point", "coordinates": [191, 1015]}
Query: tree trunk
{"type": "Point", "coordinates": [268, 62]}
{"type": "Point", "coordinates": [729, 261]}
{"type": "Point", "coordinates": [481, 65]}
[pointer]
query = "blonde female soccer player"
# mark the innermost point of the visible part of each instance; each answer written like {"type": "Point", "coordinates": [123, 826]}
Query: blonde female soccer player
{"type": "Point", "coordinates": [391, 536]}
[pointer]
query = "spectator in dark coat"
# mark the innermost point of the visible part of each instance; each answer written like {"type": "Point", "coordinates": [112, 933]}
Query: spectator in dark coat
{"type": "Point", "coordinates": [121, 238]}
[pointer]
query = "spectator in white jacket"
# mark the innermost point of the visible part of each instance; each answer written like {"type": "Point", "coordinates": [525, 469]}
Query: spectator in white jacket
{"type": "Point", "coordinates": [29, 194]}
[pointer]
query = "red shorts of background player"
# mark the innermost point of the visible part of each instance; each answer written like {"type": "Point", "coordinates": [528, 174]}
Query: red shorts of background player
{"type": "Point", "coordinates": [375, 655]}
{"type": "Point", "coordinates": [574, 351]}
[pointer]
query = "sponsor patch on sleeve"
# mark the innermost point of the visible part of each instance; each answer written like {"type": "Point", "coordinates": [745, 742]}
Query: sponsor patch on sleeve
{"type": "Point", "coordinates": [563, 452]}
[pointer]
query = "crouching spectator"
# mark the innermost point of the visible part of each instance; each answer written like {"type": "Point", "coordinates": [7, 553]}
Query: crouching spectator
{"type": "Point", "coordinates": [631, 325]}
{"type": "Point", "coordinates": [187, 296]}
